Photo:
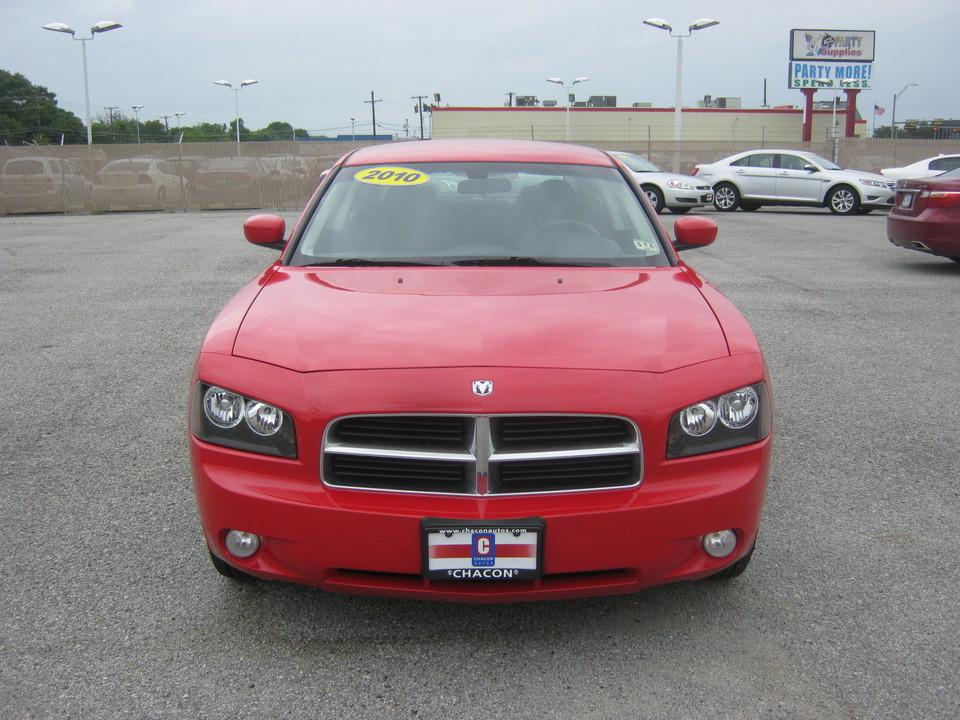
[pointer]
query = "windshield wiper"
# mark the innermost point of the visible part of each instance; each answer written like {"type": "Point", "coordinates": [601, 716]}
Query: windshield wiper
{"type": "Point", "coordinates": [518, 261]}
{"type": "Point", "coordinates": [370, 262]}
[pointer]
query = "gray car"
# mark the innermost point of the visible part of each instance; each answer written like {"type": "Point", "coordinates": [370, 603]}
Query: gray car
{"type": "Point", "coordinates": [677, 193]}
{"type": "Point", "coordinates": [755, 178]}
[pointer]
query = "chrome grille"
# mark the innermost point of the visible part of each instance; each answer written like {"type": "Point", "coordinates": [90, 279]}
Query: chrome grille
{"type": "Point", "coordinates": [482, 455]}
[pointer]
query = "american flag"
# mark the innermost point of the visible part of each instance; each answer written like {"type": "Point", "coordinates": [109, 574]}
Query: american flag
{"type": "Point", "coordinates": [877, 110]}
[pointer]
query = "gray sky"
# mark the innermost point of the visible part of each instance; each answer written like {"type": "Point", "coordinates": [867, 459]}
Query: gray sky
{"type": "Point", "coordinates": [317, 61]}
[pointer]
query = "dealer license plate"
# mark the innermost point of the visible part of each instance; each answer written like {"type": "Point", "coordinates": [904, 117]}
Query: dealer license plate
{"type": "Point", "coordinates": [481, 549]}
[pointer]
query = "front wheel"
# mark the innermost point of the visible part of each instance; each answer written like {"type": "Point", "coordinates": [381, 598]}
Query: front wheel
{"type": "Point", "coordinates": [655, 196]}
{"type": "Point", "coordinates": [726, 197]}
{"type": "Point", "coordinates": [843, 200]}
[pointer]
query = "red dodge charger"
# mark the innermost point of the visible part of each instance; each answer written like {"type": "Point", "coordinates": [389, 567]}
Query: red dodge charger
{"type": "Point", "coordinates": [478, 372]}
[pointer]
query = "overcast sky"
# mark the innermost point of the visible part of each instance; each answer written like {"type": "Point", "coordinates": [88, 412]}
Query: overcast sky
{"type": "Point", "coordinates": [318, 61]}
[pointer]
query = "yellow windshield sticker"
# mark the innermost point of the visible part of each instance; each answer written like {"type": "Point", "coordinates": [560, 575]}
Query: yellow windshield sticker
{"type": "Point", "coordinates": [393, 176]}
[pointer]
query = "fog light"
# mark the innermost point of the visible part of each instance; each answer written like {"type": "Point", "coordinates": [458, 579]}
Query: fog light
{"type": "Point", "coordinates": [720, 544]}
{"type": "Point", "coordinates": [242, 544]}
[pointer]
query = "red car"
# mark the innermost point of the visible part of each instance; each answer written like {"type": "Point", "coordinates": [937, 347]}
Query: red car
{"type": "Point", "coordinates": [478, 372]}
{"type": "Point", "coordinates": [926, 215]}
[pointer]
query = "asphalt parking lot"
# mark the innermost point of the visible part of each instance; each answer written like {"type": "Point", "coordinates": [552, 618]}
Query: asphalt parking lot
{"type": "Point", "coordinates": [111, 608]}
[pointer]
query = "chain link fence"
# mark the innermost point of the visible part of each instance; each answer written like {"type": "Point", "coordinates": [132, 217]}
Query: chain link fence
{"type": "Point", "coordinates": [283, 175]}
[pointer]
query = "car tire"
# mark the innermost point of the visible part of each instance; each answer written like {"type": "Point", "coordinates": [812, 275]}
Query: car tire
{"type": "Point", "coordinates": [228, 570]}
{"type": "Point", "coordinates": [843, 200]}
{"type": "Point", "coordinates": [726, 197]}
{"type": "Point", "coordinates": [655, 196]}
{"type": "Point", "coordinates": [735, 570]}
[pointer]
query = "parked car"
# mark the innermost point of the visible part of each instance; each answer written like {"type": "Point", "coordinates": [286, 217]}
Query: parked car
{"type": "Point", "coordinates": [290, 178]}
{"type": "Point", "coordinates": [479, 372]}
{"type": "Point", "coordinates": [142, 182]}
{"type": "Point", "coordinates": [235, 182]}
{"type": "Point", "coordinates": [926, 215]}
{"type": "Point", "coordinates": [677, 193]}
{"type": "Point", "coordinates": [39, 184]}
{"type": "Point", "coordinates": [752, 179]}
{"type": "Point", "coordinates": [923, 168]}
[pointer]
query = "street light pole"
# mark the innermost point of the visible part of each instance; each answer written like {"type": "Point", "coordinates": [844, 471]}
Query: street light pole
{"type": "Point", "coordinates": [236, 97]}
{"type": "Point", "coordinates": [100, 27]}
{"type": "Point", "coordinates": [569, 89]}
{"type": "Point", "coordinates": [136, 115]}
{"type": "Point", "coordinates": [893, 111]}
{"type": "Point", "coordinates": [662, 24]}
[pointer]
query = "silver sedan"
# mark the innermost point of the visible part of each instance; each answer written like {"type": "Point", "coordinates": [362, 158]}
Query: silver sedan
{"type": "Point", "coordinates": [677, 193]}
{"type": "Point", "coordinates": [755, 178]}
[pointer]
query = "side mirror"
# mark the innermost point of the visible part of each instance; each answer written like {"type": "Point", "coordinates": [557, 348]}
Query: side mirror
{"type": "Point", "coordinates": [266, 231]}
{"type": "Point", "coordinates": [694, 231]}
{"type": "Point", "coordinates": [811, 168]}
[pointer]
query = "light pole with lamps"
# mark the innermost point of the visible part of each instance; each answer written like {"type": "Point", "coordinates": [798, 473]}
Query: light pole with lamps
{"type": "Point", "coordinates": [893, 111]}
{"type": "Point", "coordinates": [353, 128]}
{"type": "Point", "coordinates": [100, 27]}
{"type": "Point", "coordinates": [569, 89]}
{"type": "Point", "coordinates": [236, 91]}
{"type": "Point", "coordinates": [136, 115]}
{"type": "Point", "coordinates": [661, 24]}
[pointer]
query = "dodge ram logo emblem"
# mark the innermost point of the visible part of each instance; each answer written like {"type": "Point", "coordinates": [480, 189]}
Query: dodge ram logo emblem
{"type": "Point", "coordinates": [482, 387]}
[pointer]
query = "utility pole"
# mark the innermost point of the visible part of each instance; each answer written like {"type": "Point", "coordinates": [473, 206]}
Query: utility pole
{"type": "Point", "coordinates": [113, 135]}
{"type": "Point", "coordinates": [419, 109]}
{"type": "Point", "coordinates": [373, 109]}
{"type": "Point", "coordinates": [166, 124]}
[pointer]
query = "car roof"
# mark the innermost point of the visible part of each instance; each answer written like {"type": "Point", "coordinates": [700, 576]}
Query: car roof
{"type": "Point", "coordinates": [478, 150]}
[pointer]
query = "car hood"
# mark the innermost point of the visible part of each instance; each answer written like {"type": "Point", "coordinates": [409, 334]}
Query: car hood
{"type": "Point", "coordinates": [665, 177]}
{"type": "Point", "coordinates": [860, 174]}
{"type": "Point", "coordinates": [312, 320]}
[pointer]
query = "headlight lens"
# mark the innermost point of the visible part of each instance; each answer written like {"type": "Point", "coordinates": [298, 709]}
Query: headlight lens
{"type": "Point", "coordinates": [739, 408]}
{"type": "Point", "coordinates": [873, 183]}
{"type": "Point", "coordinates": [727, 421]}
{"type": "Point", "coordinates": [697, 420]}
{"type": "Point", "coordinates": [222, 407]}
{"type": "Point", "coordinates": [227, 418]}
{"type": "Point", "coordinates": [680, 185]}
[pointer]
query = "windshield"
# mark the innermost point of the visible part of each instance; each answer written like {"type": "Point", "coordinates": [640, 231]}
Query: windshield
{"type": "Point", "coordinates": [480, 214]}
{"type": "Point", "coordinates": [824, 163]}
{"type": "Point", "coordinates": [636, 163]}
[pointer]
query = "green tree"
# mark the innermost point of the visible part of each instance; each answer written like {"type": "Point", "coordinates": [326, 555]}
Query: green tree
{"type": "Point", "coordinates": [29, 114]}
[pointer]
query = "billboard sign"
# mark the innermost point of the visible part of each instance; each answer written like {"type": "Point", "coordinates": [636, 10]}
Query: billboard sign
{"type": "Point", "coordinates": [832, 45]}
{"type": "Point", "coordinates": [830, 75]}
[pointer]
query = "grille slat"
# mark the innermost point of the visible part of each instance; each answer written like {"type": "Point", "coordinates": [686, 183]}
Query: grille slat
{"type": "Point", "coordinates": [519, 453]}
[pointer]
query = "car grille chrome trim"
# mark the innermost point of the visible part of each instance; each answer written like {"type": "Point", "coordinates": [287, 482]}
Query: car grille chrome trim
{"type": "Point", "coordinates": [482, 454]}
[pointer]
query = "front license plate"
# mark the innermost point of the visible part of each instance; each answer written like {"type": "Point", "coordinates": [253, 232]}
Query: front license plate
{"type": "Point", "coordinates": [482, 550]}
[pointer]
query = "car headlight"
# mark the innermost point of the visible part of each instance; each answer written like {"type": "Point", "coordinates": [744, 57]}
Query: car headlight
{"type": "Point", "coordinates": [227, 418]}
{"type": "Point", "coordinates": [680, 185]}
{"type": "Point", "coordinates": [873, 183]}
{"type": "Point", "coordinates": [727, 421]}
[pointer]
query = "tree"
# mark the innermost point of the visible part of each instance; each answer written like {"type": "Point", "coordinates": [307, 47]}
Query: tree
{"type": "Point", "coordinates": [29, 114]}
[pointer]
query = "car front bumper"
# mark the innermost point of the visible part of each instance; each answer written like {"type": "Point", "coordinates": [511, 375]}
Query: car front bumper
{"type": "Point", "coordinates": [596, 542]}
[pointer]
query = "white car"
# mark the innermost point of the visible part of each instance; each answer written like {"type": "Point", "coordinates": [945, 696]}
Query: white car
{"type": "Point", "coordinates": [36, 184]}
{"type": "Point", "coordinates": [751, 179]}
{"type": "Point", "coordinates": [677, 193]}
{"type": "Point", "coordinates": [142, 182]}
{"type": "Point", "coordinates": [923, 168]}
